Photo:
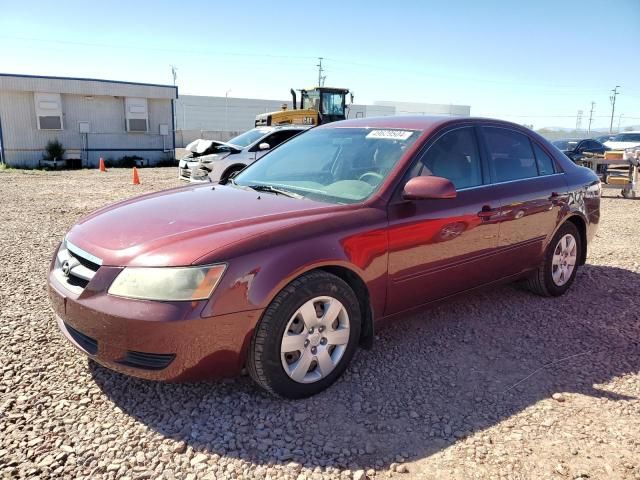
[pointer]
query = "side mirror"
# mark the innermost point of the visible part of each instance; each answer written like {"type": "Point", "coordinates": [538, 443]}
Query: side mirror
{"type": "Point", "coordinates": [264, 146]}
{"type": "Point", "coordinates": [428, 187]}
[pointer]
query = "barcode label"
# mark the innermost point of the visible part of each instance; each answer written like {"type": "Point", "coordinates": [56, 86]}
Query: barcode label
{"type": "Point", "coordinates": [390, 134]}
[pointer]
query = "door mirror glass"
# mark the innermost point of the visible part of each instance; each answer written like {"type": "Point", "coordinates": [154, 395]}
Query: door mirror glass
{"type": "Point", "coordinates": [264, 146]}
{"type": "Point", "coordinates": [428, 187]}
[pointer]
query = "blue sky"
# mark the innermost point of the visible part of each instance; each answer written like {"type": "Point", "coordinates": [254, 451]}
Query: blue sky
{"type": "Point", "coordinates": [535, 62]}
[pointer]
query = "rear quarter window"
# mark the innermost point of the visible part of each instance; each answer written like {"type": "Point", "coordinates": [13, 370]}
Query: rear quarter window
{"type": "Point", "coordinates": [545, 162]}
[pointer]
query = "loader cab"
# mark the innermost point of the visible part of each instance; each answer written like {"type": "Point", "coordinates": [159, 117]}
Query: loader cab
{"type": "Point", "coordinates": [330, 103]}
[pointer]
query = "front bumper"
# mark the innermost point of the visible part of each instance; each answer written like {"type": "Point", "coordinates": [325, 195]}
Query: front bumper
{"type": "Point", "coordinates": [192, 172]}
{"type": "Point", "coordinates": [167, 341]}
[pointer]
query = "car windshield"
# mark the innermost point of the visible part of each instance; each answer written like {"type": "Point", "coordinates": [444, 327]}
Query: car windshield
{"type": "Point", "coordinates": [247, 138]}
{"type": "Point", "coordinates": [336, 165]}
{"type": "Point", "coordinates": [626, 137]}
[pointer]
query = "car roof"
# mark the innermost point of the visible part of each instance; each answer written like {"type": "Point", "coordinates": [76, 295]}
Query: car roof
{"type": "Point", "coordinates": [288, 127]}
{"type": "Point", "coordinates": [414, 122]}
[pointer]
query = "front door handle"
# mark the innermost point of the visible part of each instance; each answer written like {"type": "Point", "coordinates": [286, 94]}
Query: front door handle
{"type": "Point", "coordinates": [488, 212]}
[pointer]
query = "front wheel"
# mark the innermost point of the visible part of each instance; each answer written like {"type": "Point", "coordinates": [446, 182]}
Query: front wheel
{"type": "Point", "coordinates": [306, 337]}
{"type": "Point", "coordinates": [558, 270]}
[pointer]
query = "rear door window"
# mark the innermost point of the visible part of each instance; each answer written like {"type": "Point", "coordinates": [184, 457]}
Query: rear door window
{"type": "Point", "coordinates": [510, 154]}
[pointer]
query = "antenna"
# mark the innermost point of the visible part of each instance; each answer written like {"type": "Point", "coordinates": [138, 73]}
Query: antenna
{"type": "Point", "coordinates": [174, 73]}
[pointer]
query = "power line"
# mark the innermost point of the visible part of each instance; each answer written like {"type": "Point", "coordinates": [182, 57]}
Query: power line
{"type": "Point", "coordinates": [157, 49]}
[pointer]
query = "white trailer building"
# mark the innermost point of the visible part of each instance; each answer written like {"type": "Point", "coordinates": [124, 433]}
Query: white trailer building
{"type": "Point", "coordinates": [91, 118]}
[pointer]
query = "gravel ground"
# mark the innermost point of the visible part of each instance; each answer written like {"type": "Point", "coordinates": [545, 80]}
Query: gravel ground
{"type": "Point", "coordinates": [499, 384]}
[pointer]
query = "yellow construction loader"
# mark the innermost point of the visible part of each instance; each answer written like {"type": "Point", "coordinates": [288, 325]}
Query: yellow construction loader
{"type": "Point", "coordinates": [317, 105]}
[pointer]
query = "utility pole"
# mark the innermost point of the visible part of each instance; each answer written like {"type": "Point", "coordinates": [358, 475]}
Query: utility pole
{"type": "Point", "coordinates": [612, 98]}
{"type": "Point", "coordinates": [174, 73]}
{"type": "Point", "coordinates": [593, 104]}
{"type": "Point", "coordinates": [320, 71]}
{"type": "Point", "coordinates": [619, 120]}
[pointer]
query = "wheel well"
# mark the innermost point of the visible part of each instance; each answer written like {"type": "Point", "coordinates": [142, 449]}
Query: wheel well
{"type": "Point", "coordinates": [362, 292]}
{"type": "Point", "coordinates": [231, 169]}
{"type": "Point", "coordinates": [582, 230]}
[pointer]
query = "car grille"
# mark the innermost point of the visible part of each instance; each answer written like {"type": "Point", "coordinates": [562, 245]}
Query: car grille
{"type": "Point", "coordinates": [74, 268]}
{"type": "Point", "coordinates": [90, 345]}
{"type": "Point", "coordinates": [147, 361]}
{"type": "Point", "coordinates": [185, 173]}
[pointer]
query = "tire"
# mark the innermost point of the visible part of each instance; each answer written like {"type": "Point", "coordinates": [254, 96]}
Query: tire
{"type": "Point", "coordinates": [273, 367]}
{"type": "Point", "coordinates": [542, 281]}
{"type": "Point", "coordinates": [225, 176]}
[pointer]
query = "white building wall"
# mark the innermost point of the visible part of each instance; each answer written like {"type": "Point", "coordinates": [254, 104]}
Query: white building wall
{"type": "Point", "coordinates": [415, 108]}
{"type": "Point", "coordinates": [218, 118]}
{"type": "Point", "coordinates": [364, 111]}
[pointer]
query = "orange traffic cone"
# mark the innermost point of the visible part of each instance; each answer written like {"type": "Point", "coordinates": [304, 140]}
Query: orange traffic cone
{"type": "Point", "coordinates": [102, 169]}
{"type": "Point", "coordinates": [136, 178]}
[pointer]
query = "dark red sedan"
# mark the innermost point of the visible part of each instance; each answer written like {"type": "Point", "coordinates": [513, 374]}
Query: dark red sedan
{"type": "Point", "coordinates": [293, 264]}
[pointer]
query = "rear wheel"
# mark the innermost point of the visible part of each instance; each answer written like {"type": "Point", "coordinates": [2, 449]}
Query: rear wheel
{"type": "Point", "coordinates": [558, 270]}
{"type": "Point", "coordinates": [306, 337]}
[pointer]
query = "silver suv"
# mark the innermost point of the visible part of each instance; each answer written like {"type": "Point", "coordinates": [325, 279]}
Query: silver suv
{"type": "Point", "coordinates": [213, 161]}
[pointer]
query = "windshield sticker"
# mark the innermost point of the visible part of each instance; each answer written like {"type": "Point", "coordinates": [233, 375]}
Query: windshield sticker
{"type": "Point", "coordinates": [390, 134]}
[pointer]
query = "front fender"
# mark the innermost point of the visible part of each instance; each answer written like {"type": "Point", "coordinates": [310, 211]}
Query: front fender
{"type": "Point", "coordinates": [253, 280]}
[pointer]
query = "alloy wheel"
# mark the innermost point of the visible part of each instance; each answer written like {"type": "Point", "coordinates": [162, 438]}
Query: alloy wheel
{"type": "Point", "coordinates": [564, 259]}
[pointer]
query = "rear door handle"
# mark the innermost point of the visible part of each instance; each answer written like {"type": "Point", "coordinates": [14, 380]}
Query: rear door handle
{"type": "Point", "coordinates": [488, 212]}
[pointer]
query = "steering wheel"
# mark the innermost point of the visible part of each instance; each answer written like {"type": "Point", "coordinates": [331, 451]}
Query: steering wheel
{"type": "Point", "coordinates": [373, 176]}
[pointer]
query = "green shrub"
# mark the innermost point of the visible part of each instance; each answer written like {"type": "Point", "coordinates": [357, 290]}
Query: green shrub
{"type": "Point", "coordinates": [54, 150]}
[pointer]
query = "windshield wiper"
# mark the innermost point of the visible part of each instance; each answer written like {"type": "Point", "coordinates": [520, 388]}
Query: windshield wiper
{"type": "Point", "coordinates": [276, 190]}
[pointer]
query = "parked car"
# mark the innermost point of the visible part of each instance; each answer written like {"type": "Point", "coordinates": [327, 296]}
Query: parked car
{"type": "Point", "coordinates": [575, 149]}
{"type": "Point", "coordinates": [623, 141]}
{"type": "Point", "coordinates": [212, 161]}
{"type": "Point", "coordinates": [604, 138]}
{"type": "Point", "coordinates": [579, 150]}
{"type": "Point", "coordinates": [291, 265]}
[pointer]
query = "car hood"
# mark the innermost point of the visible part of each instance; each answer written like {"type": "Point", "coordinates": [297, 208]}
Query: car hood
{"type": "Point", "coordinates": [214, 157]}
{"type": "Point", "coordinates": [201, 145]}
{"type": "Point", "coordinates": [620, 145]}
{"type": "Point", "coordinates": [179, 226]}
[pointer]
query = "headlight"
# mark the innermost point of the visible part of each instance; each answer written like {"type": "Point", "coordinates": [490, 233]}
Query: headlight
{"type": "Point", "coordinates": [167, 284]}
